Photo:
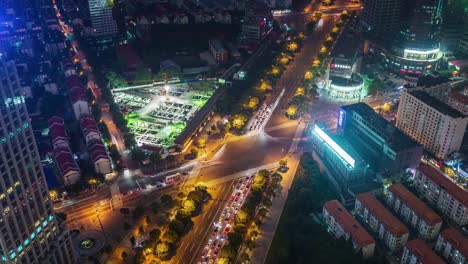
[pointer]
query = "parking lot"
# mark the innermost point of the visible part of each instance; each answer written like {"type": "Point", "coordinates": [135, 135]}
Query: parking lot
{"type": "Point", "coordinates": [156, 117]}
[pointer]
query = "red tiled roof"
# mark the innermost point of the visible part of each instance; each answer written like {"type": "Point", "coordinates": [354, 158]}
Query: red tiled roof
{"type": "Point", "coordinates": [423, 252]}
{"type": "Point", "coordinates": [56, 127]}
{"type": "Point", "coordinates": [97, 150]}
{"type": "Point", "coordinates": [64, 159]}
{"type": "Point", "coordinates": [456, 239]}
{"type": "Point", "coordinates": [459, 97]}
{"type": "Point", "coordinates": [88, 124]}
{"type": "Point", "coordinates": [443, 182]}
{"type": "Point", "coordinates": [78, 94]}
{"type": "Point", "coordinates": [420, 208]}
{"type": "Point", "coordinates": [348, 223]}
{"type": "Point", "coordinates": [384, 216]}
{"type": "Point", "coordinates": [73, 81]}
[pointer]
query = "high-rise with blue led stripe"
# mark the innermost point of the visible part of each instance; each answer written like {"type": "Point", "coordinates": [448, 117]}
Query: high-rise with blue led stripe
{"type": "Point", "coordinates": [29, 230]}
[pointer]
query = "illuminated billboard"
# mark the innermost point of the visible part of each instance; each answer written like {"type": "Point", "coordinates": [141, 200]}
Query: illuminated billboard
{"type": "Point", "coordinates": [339, 150]}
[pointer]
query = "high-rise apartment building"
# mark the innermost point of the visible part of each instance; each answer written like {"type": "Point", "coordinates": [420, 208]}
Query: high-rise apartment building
{"type": "Point", "coordinates": [381, 17]}
{"type": "Point", "coordinates": [29, 230]}
{"type": "Point", "coordinates": [432, 123]}
{"type": "Point", "coordinates": [102, 21]}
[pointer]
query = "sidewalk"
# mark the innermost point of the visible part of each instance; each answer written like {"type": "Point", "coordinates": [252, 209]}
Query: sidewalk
{"type": "Point", "coordinates": [268, 228]}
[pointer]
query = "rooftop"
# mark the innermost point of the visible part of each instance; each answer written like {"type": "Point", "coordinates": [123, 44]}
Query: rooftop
{"type": "Point", "coordinates": [394, 137]}
{"type": "Point", "coordinates": [420, 208]}
{"type": "Point", "coordinates": [423, 252]}
{"type": "Point", "coordinates": [391, 223]}
{"type": "Point", "coordinates": [457, 240]}
{"type": "Point", "coordinates": [431, 80]}
{"type": "Point", "coordinates": [459, 97]}
{"type": "Point", "coordinates": [346, 46]}
{"type": "Point", "coordinates": [443, 182]}
{"type": "Point", "coordinates": [348, 223]}
{"type": "Point", "coordinates": [436, 104]}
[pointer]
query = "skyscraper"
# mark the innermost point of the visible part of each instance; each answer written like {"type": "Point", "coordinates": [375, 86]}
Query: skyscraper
{"type": "Point", "coordinates": [381, 17]}
{"type": "Point", "coordinates": [103, 23]}
{"type": "Point", "coordinates": [29, 230]}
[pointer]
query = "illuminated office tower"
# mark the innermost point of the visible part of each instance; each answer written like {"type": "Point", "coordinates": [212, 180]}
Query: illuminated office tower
{"type": "Point", "coordinates": [29, 230]}
{"type": "Point", "coordinates": [103, 23]}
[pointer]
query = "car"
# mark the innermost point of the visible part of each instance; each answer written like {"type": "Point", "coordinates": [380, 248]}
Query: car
{"type": "Point", "coordinates": [227, 229]}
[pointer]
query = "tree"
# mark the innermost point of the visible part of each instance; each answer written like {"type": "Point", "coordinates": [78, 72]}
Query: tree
{"type": "Point", "coordinates": [283, 162]}
{"type": "Point", "coordinates": [114, 80]}
{"type": "Point", "coordinates": [171, 237]}
{"type": "Point", "coordinates": [242, 217]}
{"type": "Point", "coordinates": [235, 239]}
{"type": "Point", "coordinates": [138, 212]}
{"type": "Point", "coordinates": [183, 215]}
{"type": "Point", "coordinates": [189, 205]}
{"type": "Point", "coordinates": [276, 177]}
{"type": "Point", "coordinates": [155, 157]}
{"type": "Point", "coordinates": [292, 47]}
{"type": "Point", "coordinates": [201, 186]}
{"type": "Point", "coordinates": [386, 108]}
{"type": "Point", "coordinates": [264, 173]}
{"type": "Point", "coordinates": [262, 212]}
{"type": "Point", "coordinates": [137, 154]}
{"type": "Point", "coordinates": [178, 226]}
{"type": "Point", "coordinates": [227, 252]}
{"type": "Point", "coordinates": [125, 211]}
{"type": "Point", "coordinates": [224, 261]}
{"type": "Point", "coordinates": [162, 250]}
{"type": "Point", "coordinates": [154, 234]}
{"type": "Point", "coordinates": [166, 199]}
{"type": "Point", "coordinates": [132, 241]}
{"type": "Point", "coordinates": [252, 103]}
{"type": "Point", "coordinates": [196, 196]}
{"type": "Point", "coordinates": [124, 255]}
{"type": "Point", "coordinates": [240, 228]}
{"type": "Point", "coordinates": [201, 142]}
{"type": "Point", "coordinates": [292, 110]}
{"type": "Point", "coordinates": [258, 182]}
{"type": "Point", "coordinates": [374, 86]}
{"type": "Point", "coordinates": [239, 121]}
{"type": "Point", "coordinates": [308, 75]}
{"type": "Point", "coordinates": [126, 226]}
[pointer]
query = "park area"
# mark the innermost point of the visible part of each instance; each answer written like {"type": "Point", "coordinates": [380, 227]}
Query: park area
{"type": "Point", "coordinates": [157, 114]}
{"type": "Point", "coordinates": [300, 236]}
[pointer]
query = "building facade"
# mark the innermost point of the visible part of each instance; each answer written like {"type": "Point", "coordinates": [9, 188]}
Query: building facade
{"type": "Point", "coordinates": [381, 17]}
{"type": "Point", "coordinates": [340, 223]}
{"type": "Point", "coordinates": [385, 147]}
{"type": "Point", "coordinates": [417, 252]}
{"type": "Point", "coordinates": [432, 123]}
{"type": "Point", "coordinates": [384, 224]}
{"type": "Point", "coordinates": [29, 230]}
{"type": "Point", "coordinates": [413, 212]}
{"type": "Point", "coordinates": [453, 246]}
{"type": "Point", "coordinates": [459, 102]}
{"type": "Point", "coordinates": [217, 50]}
{"type": "Point", "coordinates": [346, 167]}
{"type": "Point", "coordinates": [441, 192]}
{"type": "Point", "coordinates": [102, 21]}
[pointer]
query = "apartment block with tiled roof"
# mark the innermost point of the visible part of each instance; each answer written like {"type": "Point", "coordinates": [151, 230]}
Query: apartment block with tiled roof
{"type": "Point", "coordinates": [381, 221]}
{"type": "Point", "coordinates": [340, 223]}
{"type": "Point", "coordinates": [453, 246]}
{"type": "Point", "coordinates": [413, 212]}
{"type": "Point", "coordinates": [417, 252]}
{"type": "Point", "coordinates": [441, 192]}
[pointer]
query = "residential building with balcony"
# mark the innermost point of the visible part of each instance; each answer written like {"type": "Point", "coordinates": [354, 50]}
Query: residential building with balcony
{"type": "Point", "coordinates": [384, 225]}
{"type": "Point", "coordinates": [416, 214]}
{"type": "Point", "coordinates": [442, 193]}
{"type": "Point", "coordinates": [417, 252]}
{"type": "Point", "coordinates": [453, 246]}
{"type": "Point", "coordinates": [341, 224]}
